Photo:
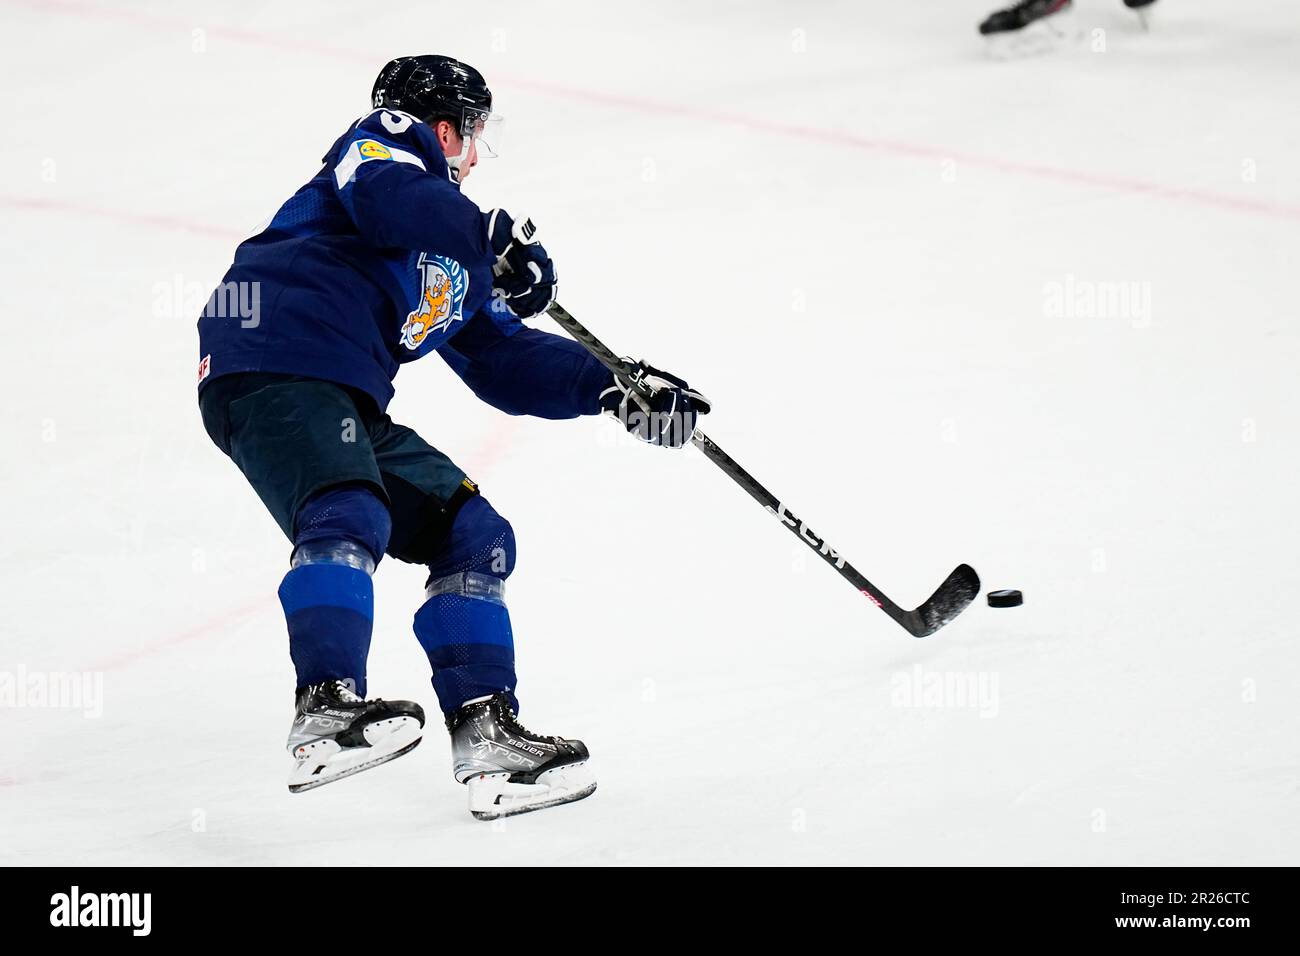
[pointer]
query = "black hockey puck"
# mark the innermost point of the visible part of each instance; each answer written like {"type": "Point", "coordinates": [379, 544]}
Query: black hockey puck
{"type": "Point", "coordinates": [1006, 599]}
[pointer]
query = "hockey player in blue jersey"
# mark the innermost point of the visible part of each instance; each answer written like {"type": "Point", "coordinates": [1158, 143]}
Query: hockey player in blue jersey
{"type": "Point", "coordinates": [377, 261]}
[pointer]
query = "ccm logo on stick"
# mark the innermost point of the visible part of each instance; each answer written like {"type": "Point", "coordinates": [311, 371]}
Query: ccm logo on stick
{"type": "Point", "coordinates": [807, 534]}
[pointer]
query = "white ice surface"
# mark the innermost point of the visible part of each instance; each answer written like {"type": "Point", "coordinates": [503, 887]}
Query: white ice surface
{"type": "Point", "coordinates": [845, 236]}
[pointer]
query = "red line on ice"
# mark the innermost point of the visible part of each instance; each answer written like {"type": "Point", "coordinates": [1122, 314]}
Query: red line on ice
{"type": "Point", "coordinates": [222, 619]}
{"type": "Point", "coordinates": [848, 140]}
{"type": "Point", "coordinates": [122, 215]}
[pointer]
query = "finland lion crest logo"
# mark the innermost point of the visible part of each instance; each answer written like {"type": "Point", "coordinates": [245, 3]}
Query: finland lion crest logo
{"type": "Point", "coordinates": [443, 288]}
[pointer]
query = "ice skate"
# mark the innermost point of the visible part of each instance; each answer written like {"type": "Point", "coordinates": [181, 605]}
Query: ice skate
{"type": "Point", "coordinates": [1029, 27]}
{"type": "Point", "coordinates": [1143, 9]}
{"type": "Point", "coordinates": [336, 734]}
{"type": "Point", "coordinates": [507, 768]}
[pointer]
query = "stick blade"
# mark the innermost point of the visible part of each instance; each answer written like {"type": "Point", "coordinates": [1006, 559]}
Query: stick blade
{"type": "Point", "coordinates": [952, 597]}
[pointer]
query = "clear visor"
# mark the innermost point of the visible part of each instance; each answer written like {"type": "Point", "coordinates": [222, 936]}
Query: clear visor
{"type": "Point", "coordinates": [485, 130]}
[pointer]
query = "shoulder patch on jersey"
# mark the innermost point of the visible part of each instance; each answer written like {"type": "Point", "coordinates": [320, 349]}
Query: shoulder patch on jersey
{"type": "Point", "coordinates": [443, 284]}
{"type": "Point", "coordinates": [368, 150]}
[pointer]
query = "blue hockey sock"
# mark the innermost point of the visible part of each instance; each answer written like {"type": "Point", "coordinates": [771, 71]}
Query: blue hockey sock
{"type": "Point", "coordinates": [330, 610]}
{"type": "Point", "coordinates": [464, 627]}
{"type": "Point", "coordinates": [328, 598]}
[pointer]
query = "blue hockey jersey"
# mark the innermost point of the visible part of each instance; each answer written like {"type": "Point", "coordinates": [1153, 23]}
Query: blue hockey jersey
{"type": "Point", "coordinates": [378, 261]}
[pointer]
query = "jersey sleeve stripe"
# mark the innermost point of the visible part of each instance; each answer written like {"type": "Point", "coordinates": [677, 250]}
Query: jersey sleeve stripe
{"type": "Point", "coordinates": [367, 150]}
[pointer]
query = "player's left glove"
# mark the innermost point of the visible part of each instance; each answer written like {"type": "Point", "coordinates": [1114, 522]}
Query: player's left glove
{"type": "Point", "coordinates": [524, 274]}
{"type": "Point", "coordinates": [667, 417]}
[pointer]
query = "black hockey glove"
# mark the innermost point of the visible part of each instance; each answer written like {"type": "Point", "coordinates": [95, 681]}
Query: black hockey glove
{"type": "Point", "coordinates": [525, 275]}
{"type": "Point", "coordinates": [666, 418]}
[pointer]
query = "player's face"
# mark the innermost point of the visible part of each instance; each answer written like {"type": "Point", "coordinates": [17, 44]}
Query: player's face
{"type": "Point", "coordinates": [453, 144]}
{"type": "Point", "coordinates": [470, 161]}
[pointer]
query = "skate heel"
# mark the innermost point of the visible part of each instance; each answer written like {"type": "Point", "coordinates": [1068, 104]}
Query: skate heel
{"type": "Point", "coordinates": [324, 761]}
{"type": "Point", "coordinates": [493, 795]}
{"type": "Point", "coordinates": [485, 790]}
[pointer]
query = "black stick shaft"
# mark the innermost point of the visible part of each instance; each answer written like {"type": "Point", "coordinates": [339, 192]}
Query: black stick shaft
{"type": "Point", "coordinates": [626, 372]}
{"type": "Point", "coordinates": [796, 527]}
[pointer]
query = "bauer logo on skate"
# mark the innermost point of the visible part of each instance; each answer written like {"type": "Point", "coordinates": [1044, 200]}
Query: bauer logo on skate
{"type": "Point", "coordinates": [807, 534]}
{"type": "Point", "coordinates": [442, 290]}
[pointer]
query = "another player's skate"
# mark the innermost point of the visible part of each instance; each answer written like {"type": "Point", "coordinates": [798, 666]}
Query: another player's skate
{"type": "Point", "coordinates": [509, 769]}
{"type": "Point", "coordinates": [1143, 10]}
{"type": "Point", "coordinates": [1031, 26]}
{"type": "Point", "coordinates": [336, 734]}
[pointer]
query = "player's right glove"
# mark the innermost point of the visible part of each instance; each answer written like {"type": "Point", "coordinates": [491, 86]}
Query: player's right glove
{"type": "Point", "coordinates": [525, 275]}
{"type": "Point", "coordinates": [666, 418]}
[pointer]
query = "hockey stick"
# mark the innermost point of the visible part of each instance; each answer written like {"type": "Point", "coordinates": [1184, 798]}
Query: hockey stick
{"type": "Point", "coordinates": [951, 598]}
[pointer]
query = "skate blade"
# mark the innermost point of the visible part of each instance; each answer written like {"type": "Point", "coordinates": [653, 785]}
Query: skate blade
{"type": "Point", "coordinates": [325, 761]}
{"type": "Point", "coordinates": [492, 795]}
{"type": "Point", "coordinates": [1041, 37]}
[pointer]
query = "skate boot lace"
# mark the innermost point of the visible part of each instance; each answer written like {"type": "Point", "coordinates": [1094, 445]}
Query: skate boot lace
{"type": "Point", "coordinates": [345, 693]}
{"type": "Point", "coordinates": [516, 725]}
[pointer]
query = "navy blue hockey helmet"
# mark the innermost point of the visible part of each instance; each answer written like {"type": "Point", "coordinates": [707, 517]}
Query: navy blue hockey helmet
{"type": "Point", "coordinates": [432, 87]}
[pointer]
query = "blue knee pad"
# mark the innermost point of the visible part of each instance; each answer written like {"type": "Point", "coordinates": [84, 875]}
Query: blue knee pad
{"type": "Point", "coordinates": [353, 513]}
{"type": "Point", "coordinates": [327, 596]}
{"type": "Point", "coordinates": [479, 540]}
{"type": "Point", "coordinates": [463, 625]}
